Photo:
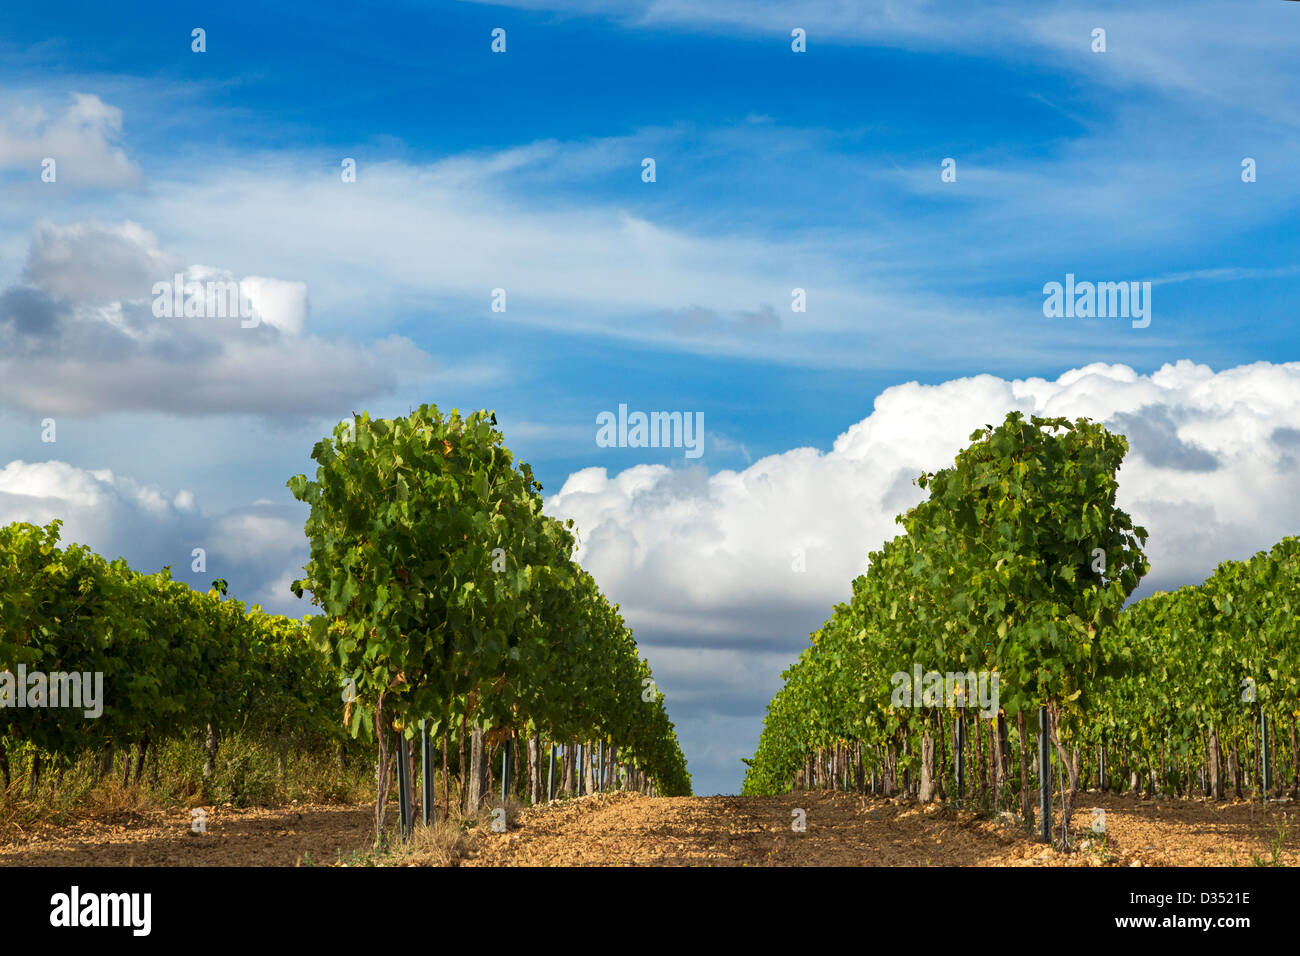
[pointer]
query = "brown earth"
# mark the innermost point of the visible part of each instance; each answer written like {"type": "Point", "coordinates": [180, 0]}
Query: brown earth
{"type": "Point", "coordinates": [848, 830]}
{"type": "Point", "coordinates": [628, 829]}
{"type": "Point", "coordinates": [235, 837]}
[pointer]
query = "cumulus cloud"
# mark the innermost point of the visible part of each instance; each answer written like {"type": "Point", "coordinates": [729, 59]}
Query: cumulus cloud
{"type": "Point", "coordinates": [706, 560]}
{"type": "Point", "coordinates": [278, 303]}
{"type": "Point", "coordinates": [106, 512]}
{"type": "Point", "coordinates": [82, 139]}
{"type": "Point", "coordinates": [95, 261]}
{"type": "Point", "coordinates": [258, 549]}
{"type": "Point", "coordinates": [82, 334]}
{"type": "Point", "coordinates": [1154, 435]}
{"type": "Point", "coordinates": [704, 566]}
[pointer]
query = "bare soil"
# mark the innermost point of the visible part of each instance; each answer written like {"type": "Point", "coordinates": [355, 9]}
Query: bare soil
{"type": "Point", "coordinates": [848, 830]}
{"type": "Point", "coordinates": [283, 836]}
{"type": "Point", "coordinates": [623, 829]}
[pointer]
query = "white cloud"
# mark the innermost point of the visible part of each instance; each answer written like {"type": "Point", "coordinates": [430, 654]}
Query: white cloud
{"type": "Point", "coordinates": [82, 140]}
{"type": "Point", "coordinates": [108, 513]}
{"type": "Point", "coordinates": [95, 260]}
{"type": "Point", "coordinates": [257, 533]}
{"type": "Point", "coordinates": [80, 336]}
{"type": "Point", "coordinates": [706, 560]}
{"type": "Point", "coordinates": [278, 303]}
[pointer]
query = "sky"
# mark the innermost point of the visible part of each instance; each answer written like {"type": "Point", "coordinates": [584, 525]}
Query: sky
{"type": "Point", "coordinates": [920, 171]}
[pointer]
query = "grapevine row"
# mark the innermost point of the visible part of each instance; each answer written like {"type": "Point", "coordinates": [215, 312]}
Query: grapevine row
{"type": "Point", "coordinates": [451, 601]}
{"type": "Point", "coordinates": [1017, 567]}
{"type": "Point", "coordinates": [172, 661]}
{"type": "Point", "coordinates": [451, 606]}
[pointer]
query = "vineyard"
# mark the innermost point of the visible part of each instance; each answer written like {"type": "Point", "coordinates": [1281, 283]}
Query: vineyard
{"type": "Point", "coordinates": [454, 616]}
{"type": "Point", "coordinates": [989, 666]}
{"type": "Point", "coordinates": [442, 441]}
{"type": "Point", "coordinates": [987, 658]}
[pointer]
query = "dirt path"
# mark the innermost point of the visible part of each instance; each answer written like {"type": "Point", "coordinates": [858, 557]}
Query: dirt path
{"type": "Point", "coordinates": [847, 830]}
{"type": "Point", "coordinates": [841, 830]}
{"type": "Point", "coordinates": [627, 829]}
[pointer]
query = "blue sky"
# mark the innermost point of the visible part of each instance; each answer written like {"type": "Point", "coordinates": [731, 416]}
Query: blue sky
{"type": "Point", "coordinates": [775, 170]}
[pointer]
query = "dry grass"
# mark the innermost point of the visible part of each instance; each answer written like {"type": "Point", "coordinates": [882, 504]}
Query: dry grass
{"type": "Point", "coordinates": [106, 799]}
{"type": "Point", "coordinates": [442, 844]}
{"type": "Point", "coordinates": [448, 841]}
